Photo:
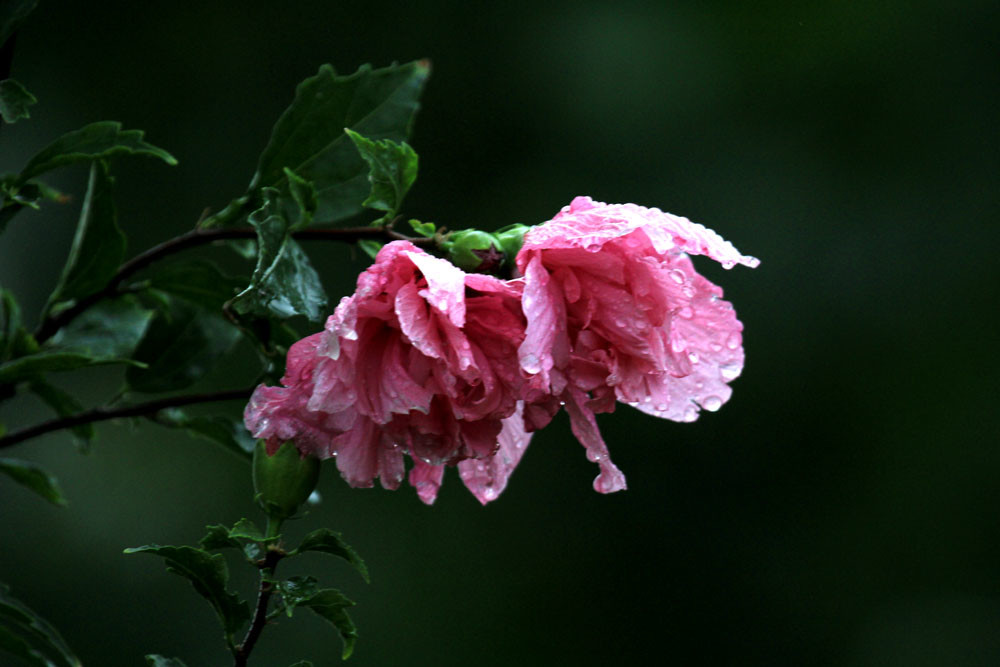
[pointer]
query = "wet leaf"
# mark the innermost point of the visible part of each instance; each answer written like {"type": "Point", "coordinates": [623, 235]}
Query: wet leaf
{"type": "Point", "coordinates": [26, 635]}
{"type": "Point", "coordinates": [96, 141]}
{"type": "Point", "coordinates": [31, 476]}
{"type": "Point", "coordinates": [226, 430]}
{"type": "Point", "coordinates": [392, 169]}
{"type": "Point", "coordinates": [182, 343]}
{"type": "Point", "coordinates": [209, 575]}
{"type": "Point", "coordinates": [99, 244]}
{"type": "Point", "coordinates": [154, 660]}
{"type": "Point", "coordinates": [64, 405]}
{"type": "Point", "coordinates": [327, 603]}
{"type": "Point", "coordinates": [198, 281]}
{"type": "Point", "coordinates": [14, 101]}
{"type": "Point", "coordinates": [309, 136]}
{"type": "Point", "coordinates": [331, 542]}
{"type": "Point", "coordinates": [245, 529]}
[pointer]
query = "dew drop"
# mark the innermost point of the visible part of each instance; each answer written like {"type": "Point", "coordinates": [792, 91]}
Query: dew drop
{"type": "Point", "coordinates": [693, 357]}
{"type": "Point", "coordinates": [686, 312]}
{"type": "Point", "coordinates": [530, 364]}
{"type": "Point", "coordinates": [677, 276]}
{"type": "Point", "coordinates": [729, 371]}
{"type": "Point", "coordinates": [734, 341]}
{"type": "Point", "coordinates": [712, 403]}
{"type": "Point", "coordinates": [661, 407]}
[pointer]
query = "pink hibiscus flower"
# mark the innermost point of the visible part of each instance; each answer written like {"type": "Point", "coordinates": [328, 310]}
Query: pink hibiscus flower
{"type": "Point", "coordinates": [420, 360]}
{"type": "Point", "coordinates": [616, 312]}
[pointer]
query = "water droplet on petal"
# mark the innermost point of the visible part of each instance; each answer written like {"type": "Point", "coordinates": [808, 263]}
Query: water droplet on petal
{"type": "Point", "coordinates": [729, 371]}
{"type": "Point", "coordinates": [530, 364]}
{"type": "Point", "coordinates": [686, 312]}
{"type": "Point", "coordinates": [677, 276]}
{"type": "Point", "coordinates": [712, 403]}
{"type": "Point", "coordinates": [693, 357]}
{"type": "Point", "coordinates": [734, 341]}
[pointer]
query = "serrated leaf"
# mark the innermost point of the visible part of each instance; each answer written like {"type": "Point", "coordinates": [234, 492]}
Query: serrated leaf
{"type": "Point", "coordinates": [14, 101]}
{"type": "Point", "coordinates": [64, 405]}
{"type": "Point", "coordinates": [246, 529]}
{"type": "Point", "coordinates": [218, 538]}
{"type": "Point", "coordinates": [209, 576]}
{"type": "Point", "coordinates": [107, 333]}
{"type": "Point", "coordinates": [34, 478]}
{"type": "Point", "coordinates": [328, 603]}
{"type": "Point", "coordinates": [26, 635]}
{"type": "Point", "coordinates": [225, 430]}
{"type": "Point", "coordinates": [98, 245]}
{"type": "Point", "coordinates": [180, 346]}
{"type": "Point", "coordinates": [284, 282]}
{"type": "Point", "coordinates": [198, 281]}
{"type": "Point", "coordinates": [12, 14]}
{"type": "Point", "coordinates": [96, 141]}
{"type": "Point", "coordinates": [331, 542]}
{"type": "Point", "coordinates": [309, 138]}
{"type": "Point", "coordinates": [154, 660]}
{"type": "Point", "coordinates": [392, 169]}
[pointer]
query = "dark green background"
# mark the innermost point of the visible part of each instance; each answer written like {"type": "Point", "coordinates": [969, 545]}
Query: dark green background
{"type": "Point", "coordinates": [840, 510]}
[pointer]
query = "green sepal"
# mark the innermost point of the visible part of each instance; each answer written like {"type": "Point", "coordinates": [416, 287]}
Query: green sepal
{"type": "Point", "coordinates": [474, 250]}
{"type": "Point", "coordinates": [225, 430]}
{"type": "Point", "coordinates": [26, 635]}
{"type": "Point", "coordinates": [331, 542]}
{"type": "Point", "coordinates": [65, 405]}
{"type": "Point", "coordinates": [96, 141]}
{"type": "Point", "coordinates": [14, 101]}
{"type": "Point", "coordinates": [511, 239]}
{"type": "Point", "coordinates": [284, 480]}
{"type": "Point", "coordinates": [33, 477]}
{"type": "Point", "coordinates": [309, 139]}
{"type": "Point", "coordinates": [392, 169]}
{"type": "Point", "coordinates": [153, 660]}
{"type": "Point", "coordinates": [327, 603]}
{"type": "Point", "coordinates": [209, 575]}
{"type": "Point", "coordinates": [284, 282]}
{"type": "Point", "coordinates": [104, 334]}
{"type": "Point", "coordinates": [98, 245]}
{"type": "Point", "coordinates": [181, 345]}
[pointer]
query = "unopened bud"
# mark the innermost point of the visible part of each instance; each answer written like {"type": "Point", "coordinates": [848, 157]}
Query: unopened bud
{"type": "Point", "coordinates": [284, 480]}
{"type": "Point", "coordinates": [475, 251]}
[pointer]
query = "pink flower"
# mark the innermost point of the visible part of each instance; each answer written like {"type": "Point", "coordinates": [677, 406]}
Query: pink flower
{"type": "Point", "coordinates": [616, 312]}
{"type": "Point", "coordinates": [420, 360]}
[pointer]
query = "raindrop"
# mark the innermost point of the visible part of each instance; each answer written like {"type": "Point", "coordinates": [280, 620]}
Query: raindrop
{"type": "Point", "coordinates": [530, 364]}
{"type": "Point", "coordinates": [686, 312]}
{"type": "Point", "coordinates": [729, 371]}
{"type": "Point", "coordinates": [693, 357]}
{"type": "Point", "coordinates": [712, 403]}
{"type": "Point", "coordinates": [677, 276]}
{"type": "Point", "coordinates": [734, 341]}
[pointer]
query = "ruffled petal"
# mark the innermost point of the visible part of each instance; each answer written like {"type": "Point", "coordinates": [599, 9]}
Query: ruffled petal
{"type": "Point", "coordinates": [487, 478]}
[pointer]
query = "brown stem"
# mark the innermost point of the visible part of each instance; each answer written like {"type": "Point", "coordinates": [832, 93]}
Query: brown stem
{"type": "Point", "coordinates": [51, 324]}
{"type": "Point", "coordinates": [242, 652]}
{"type": "Point", "coordinates": [103, 414]}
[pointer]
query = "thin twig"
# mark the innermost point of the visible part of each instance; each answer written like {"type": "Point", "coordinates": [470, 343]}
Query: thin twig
{"type": "Point", "coordinates": [242, 652]}
{"type": "Point", "coordinates": [50, 325]}
{"type": "Point", "coordinates": [104, 414]}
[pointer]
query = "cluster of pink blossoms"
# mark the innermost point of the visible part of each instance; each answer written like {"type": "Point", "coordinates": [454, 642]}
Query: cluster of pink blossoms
{"type": "Point", "coordinates": [458, 369]}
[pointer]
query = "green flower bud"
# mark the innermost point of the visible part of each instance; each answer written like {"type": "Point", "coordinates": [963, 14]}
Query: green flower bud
{"type": "Point", "coordinates": [474, 251]}
{"type": "Point", "coordinates": [511, 239]}
{"type": "Point", "coordinates": [284, 480]}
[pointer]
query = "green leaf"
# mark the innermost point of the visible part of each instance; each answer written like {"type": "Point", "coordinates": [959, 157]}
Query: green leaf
{"type": "Point", "coordinates": [181, 345]}
{"type": "Point", "coordinates": [26, 635]}
{"type": "Point", "coordinates": [14, 101]}
{"type": "Point", "coordinates": [198, 281]}
{"type": "Point", "coordinates": [284, 282]}
{"type": "Point", "coordinates": [332, 542]}
{"type": "Point", "coordinates": [218, 538]}
{"type": "Point", "coordinates": [65, 405]}
{"type": "Point", "coordinates": [225, 430]}
{"type": "Point", "coordinates": [209, 576]}
{"type": "Point", "coordinates": [33, 477]}
{"type": "Point", "coordinates": [92, 142]}
{"type": "Point", "coordinates": [12, 14]}
{"type": "Point", "coordinates": [392, 169]}
{"type": "Point", "coordinates": [328, 603]}
{"type": "Point", "coordinates": [245, 529]}
{"type": "Point", "coordinates": [370, 247]}
{"type": "Point", "coordinates": [104, 334]}
{"type": "Point", "coordinates": [10, 324]}
{"type": "Point", "coordinates": [99, 244]}
{"type": "Point", "coordinates": [154, 660]}
{"type": "Point", "coordinates": [304, 194]}
{"type": "Point", "coordinates": [309, 137]}
{"type": "Point", "coordinates": [423, 228]}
